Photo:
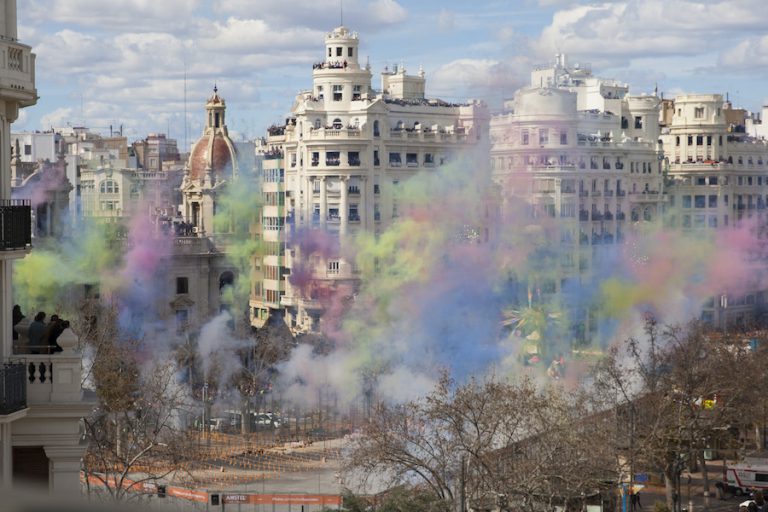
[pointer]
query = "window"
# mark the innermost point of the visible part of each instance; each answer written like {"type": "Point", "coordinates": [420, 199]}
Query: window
{"type": "Point", "coordinates": [690, 140]}
{"type": "Point", "coordinates": [686, 221]}
{"type": "Point", "coordinates": [713, 221]}
{"type": "Point", "coordinates": [376, 157]}
{"type": "Point", "coordinates": [332, 158]}
{"type": "Point", "coordinates": [319, 96]}
{"type": "Point", "coordinates": [350, 51]}
{"type": "Point", "coordinates": [412, 159]}
{"type": "Point", "coordinates": [356, 91]}
{"type": "Point", "coordinates": [354, 158]}
{"type": "Point", "coordinates": [698, 112]}
{"type": "Point", "coordinates": [329, 52]}
{"type": "Point", "coordinates": [429, 160]}
{"type": "Point", "coordinates": [700, 201]}
{"type": "Point", "coordinates": [338, 51]}
{"type": "Point", "coordinates": [182, 285]}
{"type": "Point", "coordinates": [109, 187]}
{"type": "Point", "coordinates": [713, 180]}
{"type": "Point", "coordinates": [333, 267]}
{"type": "Point", "coordinates": [677, 140]}
{"type": "Point", "coordinates": [563, 137]}
{"type": "Point", "coordinates": [638, 122]}
{"type": "Point", "coordinates": [315, 159]}
{"type": "Point", "coordinates": [524, 137]}
{"type": "Point", "coordinates": [593, 162]}
{"type": "Point", "coordinates": [686, 201]}
{"type": "Point", "coordinates": [337, 90]}
{"type": "Point", "coordinates": [701, 180]}
{"type": "Point", "coordinates": [376, 128]}
{"type": "Point", "coordinates": [27, 149]}
{"type": "Point", "coordinates": [394, 160]}
{"type": "Point", "coordinates": [709, 140]}
{"type": "Point", "coordinates": [543, 136]}
{"type": "Point", "coordinates": [354, 214]}
{"type": "Point", "coordinates": [699, 140]}
{"type": "Point", "coordinates": [712, 201]}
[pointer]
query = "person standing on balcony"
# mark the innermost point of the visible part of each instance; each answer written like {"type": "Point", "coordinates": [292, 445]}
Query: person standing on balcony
{"type": "Point", "coordinates": [36, 333]}
{"type": "Point", "coordinates": [18, 316]}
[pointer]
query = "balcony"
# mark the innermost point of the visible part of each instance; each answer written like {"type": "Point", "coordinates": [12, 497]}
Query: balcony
{"type": "Point", "coordinates": [583, 215]}
{"type": "Point", "coordinates": [353, 190]}
{"type": "Point", "coordinates": [620, 216]}
{"type": "Point", "coordinates": [18, 81]}
{"type": "Point", "coordinates": [48, 378]}
{"type": "Point", "coordinates": [13, 388]}
{"type": "Point", "coordinates": [15, 224]}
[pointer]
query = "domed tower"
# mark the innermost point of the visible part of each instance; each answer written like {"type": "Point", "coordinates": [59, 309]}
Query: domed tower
{"type": "Point", "coordinates": [212, 161]}
{"type": "Point", "coordinates": [339, 79]}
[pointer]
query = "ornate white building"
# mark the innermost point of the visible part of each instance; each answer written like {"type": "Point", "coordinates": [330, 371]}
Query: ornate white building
{"type": "Point", "coordinates": [335, 167]}
{"type": "Point", "coordinates": [718, 177]}
{"type": "Point", "coordinates": [584, 154]}
{"type": "Point", "coordinates": [41, 401]}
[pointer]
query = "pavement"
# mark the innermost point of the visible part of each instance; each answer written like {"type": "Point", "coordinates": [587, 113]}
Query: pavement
{"type": "Point", "coordinates": [693, 496]}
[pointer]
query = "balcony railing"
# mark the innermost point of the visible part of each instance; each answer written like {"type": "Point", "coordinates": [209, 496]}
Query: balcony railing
{"type": "Point", "coordinates": [15, 224]}
{"type": "Point", "coordinates": [13, 389]}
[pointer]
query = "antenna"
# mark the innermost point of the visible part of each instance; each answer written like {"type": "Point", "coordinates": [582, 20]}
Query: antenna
{"type": "Point", "coordinates": [185, 102]}
{"type": "Point", "coordinates": [341, 12]}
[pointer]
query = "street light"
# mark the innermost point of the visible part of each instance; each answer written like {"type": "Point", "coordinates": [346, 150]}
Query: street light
{"type": "Point", "coordinates": [205, 403]}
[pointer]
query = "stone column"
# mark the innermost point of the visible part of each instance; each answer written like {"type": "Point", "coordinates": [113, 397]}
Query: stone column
{"type": "Point", "coordinates": [309, 201]}
{"type": "Point", "coordinates": [323, 203]}
{"type": "Point", "coordinates": [64, 469]}
{"type": "Point", "coordinates": [344, 204]}
{"type": "Point", "coordinates": [6, 456]}
{"type": "Point", "coordinates": [362, 207]}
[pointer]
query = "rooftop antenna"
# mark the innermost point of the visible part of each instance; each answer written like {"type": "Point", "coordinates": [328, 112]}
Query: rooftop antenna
{"type": "Point", "coordinates": [341, 12]}
{"type": "Point", "coordinates": [185, 102]}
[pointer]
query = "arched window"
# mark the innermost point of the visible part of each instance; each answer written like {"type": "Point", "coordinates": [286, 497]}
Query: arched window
{"type": "Point", "coordinates": [226, 279]}
{"type": "Point", "coordinates": [109, 187]}
{"type": "Point", "coordinates": [318, 123]}
{"type": "Point", "coordinates": [376, 128]}
{"type": "Point", "coordinates": [337, 124]}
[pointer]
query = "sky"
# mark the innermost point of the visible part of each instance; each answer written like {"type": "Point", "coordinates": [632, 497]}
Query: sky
{"type": "Point", "coordinates": [123, 62]}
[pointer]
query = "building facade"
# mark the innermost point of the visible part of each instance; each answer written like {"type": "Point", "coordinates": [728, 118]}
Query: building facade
{"type": "Point", "coordinates": [583, 155]}
{"type": "Point", "coordinates": [335, 167]}
{"type": "Point", "coordinates": [718, 178]}
{"type": "Point", "coordinates": [41, 401]}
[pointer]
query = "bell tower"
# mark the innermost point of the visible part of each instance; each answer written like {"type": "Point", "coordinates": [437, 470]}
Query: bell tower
{"type": "Point", "coordinates": [215, 109]}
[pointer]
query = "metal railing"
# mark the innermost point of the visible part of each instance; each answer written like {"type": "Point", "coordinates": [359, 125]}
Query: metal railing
{"type": "Point", "coordinates": [13, 389]}
{"type": "Point", "coordinates": [15, 224]}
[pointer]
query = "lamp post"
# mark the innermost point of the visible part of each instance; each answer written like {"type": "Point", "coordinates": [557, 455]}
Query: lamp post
{"type": "Point", "coordinates": [205, 411]}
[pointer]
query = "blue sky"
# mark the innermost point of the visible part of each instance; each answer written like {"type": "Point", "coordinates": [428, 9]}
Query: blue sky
{"type": "Point", "coordinates": [122, 61]}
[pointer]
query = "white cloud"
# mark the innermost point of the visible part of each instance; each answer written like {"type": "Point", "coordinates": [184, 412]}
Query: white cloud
{"type": "Point", "coordinates": [751, 53]}
{"type": "Point", "coordinates": [250, 35]}
{"type": "Point", "coordinates": [58, 117]}
{"type": "Point", "coordinates": [136, 15]}
{"type": "Point", "coordinates": [363, 15]}
{"type": "Point", "coordinates": [635, 28]}
{"type": "Point", "coordinates": [479, 78]}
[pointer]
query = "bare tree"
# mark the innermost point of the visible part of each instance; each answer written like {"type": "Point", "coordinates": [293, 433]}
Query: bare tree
{"type": "Point", "coordinates": [486, 439]}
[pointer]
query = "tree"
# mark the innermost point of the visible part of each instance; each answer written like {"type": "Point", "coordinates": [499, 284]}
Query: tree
{"type": "Point", "coordinates": [483, 440]}
{"type": "Point", "coordinates": [669, 392]}
{"type": "Point", "coordinates": [137, 433]}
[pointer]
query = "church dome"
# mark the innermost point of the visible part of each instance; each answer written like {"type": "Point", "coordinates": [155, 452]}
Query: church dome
{"type": "Point", "coordinates": [213, 151]}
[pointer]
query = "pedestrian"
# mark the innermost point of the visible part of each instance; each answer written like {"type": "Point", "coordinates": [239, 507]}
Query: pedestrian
{"type": "Point", "coordinates": [53, 335]}
{"type": "Point", "coordinates": [36, 332]}
{"type": "Point", "coordinates": [18, 316]}
{"type": "Point", "coordinates": [760, 501]}
{"type": "Point", "coordinates": [636, 500]}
